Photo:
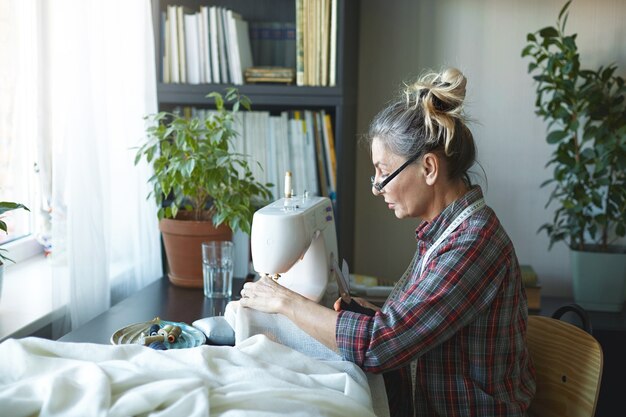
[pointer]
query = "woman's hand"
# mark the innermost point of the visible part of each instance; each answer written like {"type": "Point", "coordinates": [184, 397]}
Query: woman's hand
{"type": "Point", "coordinates": [361, 301]}
{"type": "Point", "coordinates": [268, 296]}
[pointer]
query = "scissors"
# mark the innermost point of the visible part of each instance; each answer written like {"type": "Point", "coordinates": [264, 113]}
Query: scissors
{"type": "Point", "coordinates": [347, 303]}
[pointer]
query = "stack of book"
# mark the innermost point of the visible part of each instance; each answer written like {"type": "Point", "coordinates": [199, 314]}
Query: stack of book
{"type": "Point", "coordinates": [211, 45]}
{"type": "Point", "coordinates": [316, 42]}
{"type": "Point", "coordinates": [300, 141]}
{"type": "Point", "coordinates": [269, 75]}
{"type": "Point", "coordinates": [273, 44]}
{"type": "Point", "coordinates": [531, 286]}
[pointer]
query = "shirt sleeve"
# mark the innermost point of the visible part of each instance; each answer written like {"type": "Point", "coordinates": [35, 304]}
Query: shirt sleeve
{"type": "Point", "coordinates": [460, 281]}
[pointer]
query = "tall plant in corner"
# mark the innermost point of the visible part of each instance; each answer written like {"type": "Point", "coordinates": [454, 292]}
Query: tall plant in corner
{"type": "Point", "coordinates": [586, 114]}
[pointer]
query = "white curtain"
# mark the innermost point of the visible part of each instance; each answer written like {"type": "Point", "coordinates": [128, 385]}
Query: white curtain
{"type": "Point", "coordinates": [96, 77]}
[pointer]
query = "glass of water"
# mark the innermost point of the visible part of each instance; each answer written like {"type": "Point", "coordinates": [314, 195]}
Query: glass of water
{"type": "Point", "coordinates": [217, 268]}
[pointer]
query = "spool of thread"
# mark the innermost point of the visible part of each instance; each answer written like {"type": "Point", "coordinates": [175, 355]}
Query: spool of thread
{"type": "Point", "coordinates": [150, 339]}
{"type": "Point", "coordinates": [154, 330]}
{"type": "Point", "coordinates": [288, 190]}
{"type": "Point", "coordinates": [157, 346]}
{"type": "Point", "coordinates": [173, 334]}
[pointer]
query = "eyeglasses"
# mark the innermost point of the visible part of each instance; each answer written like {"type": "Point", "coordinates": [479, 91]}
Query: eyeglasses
{"type": "Point", "coordinates": [380, 185]}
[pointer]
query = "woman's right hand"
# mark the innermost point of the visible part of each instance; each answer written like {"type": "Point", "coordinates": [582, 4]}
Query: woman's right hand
{"type": "Point", "coordinates": [361, 301]}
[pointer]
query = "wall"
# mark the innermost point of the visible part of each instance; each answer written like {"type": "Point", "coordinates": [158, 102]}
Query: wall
{"type": "Point", "coordinates": [401, 38]}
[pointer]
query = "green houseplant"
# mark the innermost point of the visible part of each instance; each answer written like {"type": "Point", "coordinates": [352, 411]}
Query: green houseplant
{"type": "Point", "coordinates": [6, 206]}
{"type": "Point", "coordinates": [202, 188]}
{"type": "Point", "coordinates": [586, 114]}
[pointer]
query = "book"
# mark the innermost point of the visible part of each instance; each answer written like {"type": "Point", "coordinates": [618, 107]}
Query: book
{"type": "Point", "coordinates": [243, 42]}
{"type": "Point", "coordinates": [329, 148]}
{"type": "Point", "coordinates": [332, 59]}
{"type": "Point", "coordinates": [172, 35]}
{"type": "Point", "coordinates": [297, 140]}
{"type": "Point", "coordinates": [182, 59]}
{"type": "Point", "coordinates": [300, 42]}
{"type": "Point", "coordinates": [214, 45]}
{"type": "Point", "coordinates": [310, 155]}
{"type": "Point", "coordinates": [324, 37]}
{"type": "Point", "coordinates": [192, 49]}
{"type": "Point", "coordinates": [230, 34]}
{"type": "Point", "coordinates": [531, 286]}
{"type": "Point", "coordinates": [529, 276]}
{"type": "Point", "coordinates": [533, 297]}
{"type": "Point", "coordinates": [289, 35]}
{"type": "Point", "coordinates": [269, 75]}
{"type": "Point", "coordinates": [205, 44]}
{"type": "Point", "coordinates": [165, 49]}
{"type": "Point", "coordinates": [320, 154]}
{"type": "Point", "coordinates": [222, 44]}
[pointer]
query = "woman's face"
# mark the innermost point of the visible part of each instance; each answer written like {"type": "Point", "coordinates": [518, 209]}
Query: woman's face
{"type": "Point", "coordinates": [407, 194]}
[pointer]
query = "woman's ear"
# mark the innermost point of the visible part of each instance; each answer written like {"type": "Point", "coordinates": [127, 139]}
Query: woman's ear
{"type": "Point", "coordinates": [430, 166]}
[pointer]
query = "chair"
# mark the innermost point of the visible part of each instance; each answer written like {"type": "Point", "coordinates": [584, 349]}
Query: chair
{"type": "Point", "coordinates": [568, 365]}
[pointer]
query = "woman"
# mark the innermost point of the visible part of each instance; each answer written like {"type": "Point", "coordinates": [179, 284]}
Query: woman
{"type": "Point", "coordinates": [459, 311]}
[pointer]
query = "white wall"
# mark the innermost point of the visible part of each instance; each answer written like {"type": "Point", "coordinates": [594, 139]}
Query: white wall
{"type": "Point", "coordinates": [401, 38]}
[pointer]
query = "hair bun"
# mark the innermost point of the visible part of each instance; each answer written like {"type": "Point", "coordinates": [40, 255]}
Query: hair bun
{"type": "Point", "coordinates": [456, 81]}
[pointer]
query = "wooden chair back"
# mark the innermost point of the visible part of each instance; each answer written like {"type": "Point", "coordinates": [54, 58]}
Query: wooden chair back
{"type": "Point", "coordinates": [568, 365]}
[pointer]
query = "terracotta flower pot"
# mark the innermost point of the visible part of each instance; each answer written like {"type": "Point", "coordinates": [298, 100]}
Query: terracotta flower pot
{"type": "Point", "coordinates": [183, 247]}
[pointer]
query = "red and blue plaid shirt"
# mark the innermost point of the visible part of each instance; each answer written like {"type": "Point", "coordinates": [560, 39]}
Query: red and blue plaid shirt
{"type": "Point", "coordinates": [463, 320]}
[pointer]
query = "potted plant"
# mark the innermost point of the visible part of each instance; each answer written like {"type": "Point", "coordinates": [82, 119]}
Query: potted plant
{"type": "Point", "coordinates": [586, 114]}
{"type": "Point", "coordinates": [6, 206]}
{"type": "Point", "coordinates": [203, 190]}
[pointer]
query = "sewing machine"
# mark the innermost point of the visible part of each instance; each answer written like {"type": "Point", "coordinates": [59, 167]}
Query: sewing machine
{"type": "Point", "coordinates": [294, 241]}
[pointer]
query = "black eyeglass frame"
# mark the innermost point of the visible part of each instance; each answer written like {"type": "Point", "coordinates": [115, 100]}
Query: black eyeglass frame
{"type": "Point", "coordinates": [380, 185]}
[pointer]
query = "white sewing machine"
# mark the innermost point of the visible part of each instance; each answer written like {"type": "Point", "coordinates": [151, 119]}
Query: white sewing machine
{"type": "Point", "coordinates": [295, 238]}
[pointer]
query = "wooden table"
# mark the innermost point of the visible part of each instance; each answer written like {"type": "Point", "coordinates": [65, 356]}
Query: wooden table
{"type": "Point", "coordinates": [159, 299]}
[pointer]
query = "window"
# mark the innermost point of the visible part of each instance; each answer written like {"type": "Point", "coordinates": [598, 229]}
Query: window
{"type": "Point", "coordinates": [19, 173]}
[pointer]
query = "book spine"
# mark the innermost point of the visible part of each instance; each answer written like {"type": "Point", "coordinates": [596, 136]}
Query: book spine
{"type": "Point", "coordinates": [206, 44]}
{"type": "Point", "coordinates": [165, 49]}
{"type": "Point", "coordinates": [182, 59]}
{"type": "Point", "coordinates": [214, 41]}
{"type": "Point", "coordinates": [173, 38]}
{"type": "Point", "coordinates": [329, 146]}
{"type": "Point", "coordinates": [191, 48]}
{"type": "Point", "coordinates": [223, 45]}
{"type": "Point", "coordinates": [299, 43]}
{"type": "Point", "coordinates": [234, 68]}
{"type": "Point", "coordinates": [332, 65]}
{"type": "Point", "coordinates": [289, 30]}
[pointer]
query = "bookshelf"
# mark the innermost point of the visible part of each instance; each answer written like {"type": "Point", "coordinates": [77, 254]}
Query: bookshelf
{"type": "Point", "coordinates": [339, 101]}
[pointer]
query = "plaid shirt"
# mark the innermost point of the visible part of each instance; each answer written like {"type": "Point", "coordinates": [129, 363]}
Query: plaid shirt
{"type": "Point", "coordinates": [463, 320]}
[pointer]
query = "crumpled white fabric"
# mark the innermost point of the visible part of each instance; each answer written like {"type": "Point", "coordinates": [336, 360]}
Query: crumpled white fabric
{"type": "Point", "coordinates": [248, 322]}
{"type": "Point", "coordinates": [257, 378]}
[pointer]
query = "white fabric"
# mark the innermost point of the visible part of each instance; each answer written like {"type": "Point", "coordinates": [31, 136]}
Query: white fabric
{"type": "Point", "coordinates": [257, 378]}
{"type": "Point", "coordinates": [248, 322]}
{"type": "Point", "coordinates": [86, 80]}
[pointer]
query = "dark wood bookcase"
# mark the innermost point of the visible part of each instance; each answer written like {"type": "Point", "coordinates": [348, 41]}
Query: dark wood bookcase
{"type": "Point", "coordinates": [338, 101]}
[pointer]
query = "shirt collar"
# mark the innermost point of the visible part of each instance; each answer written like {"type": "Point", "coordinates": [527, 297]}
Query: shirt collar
{"type": "Point", "coordinates": [429, 231]}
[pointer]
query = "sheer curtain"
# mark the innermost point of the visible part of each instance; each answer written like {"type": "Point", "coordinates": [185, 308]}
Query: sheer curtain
{"type": "Point", "coordinates": [96, 79]}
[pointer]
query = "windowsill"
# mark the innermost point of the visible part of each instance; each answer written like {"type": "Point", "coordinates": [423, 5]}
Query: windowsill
{"type": "Point", "coordinates": [26, 302]}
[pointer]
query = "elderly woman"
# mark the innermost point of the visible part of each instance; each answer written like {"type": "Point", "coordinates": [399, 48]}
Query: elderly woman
{"type": "Point", "coordinates": [459, 311]}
